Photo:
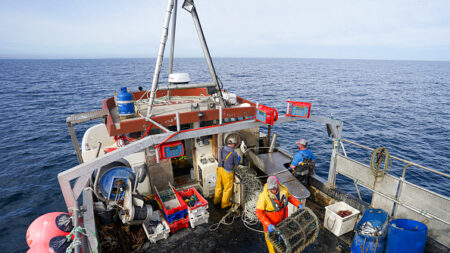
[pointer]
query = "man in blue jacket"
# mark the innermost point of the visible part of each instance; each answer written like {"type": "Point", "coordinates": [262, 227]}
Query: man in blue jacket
{"type": "Point", "coordinates": [303, 162]}
{"type": "Point", "coordinates": [228, 160]}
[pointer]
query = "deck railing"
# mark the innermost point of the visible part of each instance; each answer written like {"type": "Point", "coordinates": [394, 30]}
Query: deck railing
{"type": "Point", "coordinates": [397, 196]}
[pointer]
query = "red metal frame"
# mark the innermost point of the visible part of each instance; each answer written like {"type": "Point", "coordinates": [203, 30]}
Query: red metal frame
{"type": "Point", "coordinates": [140, 124]}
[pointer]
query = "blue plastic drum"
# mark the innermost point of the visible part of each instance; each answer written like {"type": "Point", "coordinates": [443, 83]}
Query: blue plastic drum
{"type": "Point", "coordinates": [406, 236]}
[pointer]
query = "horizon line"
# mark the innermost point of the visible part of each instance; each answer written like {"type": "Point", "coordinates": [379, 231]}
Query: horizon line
{"type": "Point", "coordinates": [198, 57]}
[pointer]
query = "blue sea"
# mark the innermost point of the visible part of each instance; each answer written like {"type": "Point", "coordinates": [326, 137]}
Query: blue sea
{"type": "Point", "coordinates": [401, 105]}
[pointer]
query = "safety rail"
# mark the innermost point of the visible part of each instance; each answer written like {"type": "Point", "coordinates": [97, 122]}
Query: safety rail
{"type": "Point", "coordinates": [399, 197]}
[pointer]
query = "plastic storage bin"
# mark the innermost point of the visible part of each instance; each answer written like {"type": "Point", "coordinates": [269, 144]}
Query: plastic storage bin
{"type": "Point", "coordinates": [173, 206]}
{"type": "Point", "coordinates": [371, 243]}
{"type": "Point", "coordinates": [335, 223]}
{"type": "Point", "coordinates": [197, 213]}
{"type": "Point", "coordinates": [157, 232]}
{"type": "Point", "coordinates": [179, 224]}
{"type": "Point", "coordinates": [406, 236]}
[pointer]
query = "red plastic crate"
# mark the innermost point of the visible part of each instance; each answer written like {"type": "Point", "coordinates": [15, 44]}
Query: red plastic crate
{"type": "Point", "coordinates": [200, 200]}
{"type": "Point", "coordinates": [182, 206]}
{"type": "Point", "coordinates": [179, 224]}
{"type": "Point", "coordinates": [298, 109]}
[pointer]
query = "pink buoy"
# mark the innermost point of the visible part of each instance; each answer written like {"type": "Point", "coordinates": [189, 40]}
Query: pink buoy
{"type": "Point", "coordinates": [47, 226]}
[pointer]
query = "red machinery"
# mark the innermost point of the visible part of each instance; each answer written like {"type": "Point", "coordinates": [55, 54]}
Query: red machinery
{"type": "Point", "coordinates": [171, 149]}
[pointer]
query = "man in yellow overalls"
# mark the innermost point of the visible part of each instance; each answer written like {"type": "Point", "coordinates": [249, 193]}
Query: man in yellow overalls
{"type": "Point", "coordinates": [228, 160]}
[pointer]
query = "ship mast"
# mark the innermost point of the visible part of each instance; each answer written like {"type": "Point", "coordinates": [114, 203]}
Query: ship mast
{"type": "Point", "coordinates": [190, 7]}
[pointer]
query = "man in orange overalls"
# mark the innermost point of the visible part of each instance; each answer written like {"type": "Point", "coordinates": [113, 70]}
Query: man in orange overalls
{"type": "Point", "coordinates": [272, 206]}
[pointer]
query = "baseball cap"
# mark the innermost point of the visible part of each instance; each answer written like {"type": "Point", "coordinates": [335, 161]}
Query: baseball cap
{"type": "Point", "coordinates": [302, 142]}
{"type": "Point", "coordinates": [272, 182]}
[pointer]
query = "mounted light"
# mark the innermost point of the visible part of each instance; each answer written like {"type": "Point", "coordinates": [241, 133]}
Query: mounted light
{"type": "Point", "coordinates": [188, 5]}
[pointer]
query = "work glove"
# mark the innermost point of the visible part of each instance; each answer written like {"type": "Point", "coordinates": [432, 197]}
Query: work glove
{"type": "Point", "coordinates": [243, 147]}
{"type": "Point", "coordinates": [270, 228]}
{"type": "Point", "coordinates": [300, 206]}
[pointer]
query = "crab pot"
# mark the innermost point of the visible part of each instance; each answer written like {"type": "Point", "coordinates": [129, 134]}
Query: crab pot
{"type": "Point", "coordinates": [295, 232]}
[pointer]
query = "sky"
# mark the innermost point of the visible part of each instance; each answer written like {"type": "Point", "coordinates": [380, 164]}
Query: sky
{"type": "Point", "coordinates": [346, 29]}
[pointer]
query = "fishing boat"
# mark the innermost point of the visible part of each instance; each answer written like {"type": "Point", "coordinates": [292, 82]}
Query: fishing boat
{"type": "Point", "coordinates": [155, 147]}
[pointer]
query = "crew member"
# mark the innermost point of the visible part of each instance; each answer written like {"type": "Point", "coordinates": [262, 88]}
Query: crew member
{"type": "Point", "coordinates": [272, 206]}
{"type": "Point", "coordinates": [303, 162]}
{"type": "Point", "coordinates": [228, 160]}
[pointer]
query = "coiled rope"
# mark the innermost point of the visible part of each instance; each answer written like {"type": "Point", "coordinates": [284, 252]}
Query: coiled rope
{"type": "Point", "coordinates": [252, 189]}
{"type": "Point", "coordinates": [377, 159]}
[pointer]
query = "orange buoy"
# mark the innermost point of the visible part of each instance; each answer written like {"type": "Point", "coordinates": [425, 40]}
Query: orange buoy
{"type": "Point", "coordinates": [47, 226]}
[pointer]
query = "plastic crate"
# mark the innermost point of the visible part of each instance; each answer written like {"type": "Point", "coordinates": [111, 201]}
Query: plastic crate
{"type": "Point", "coordinates": [201, 202]}
{"type": "Point", "coordinates": [197, 220]}
{"type": "Point", "coordinates": [156, 233]}
{"type": "Point", "coordinates": [337, 224]}
{"type": "Point", "coordinates": [179, 224]}
{"type": "Point", "coordinates": [173, 206]}
{"type": "Point", "coordinates": [298, 109]}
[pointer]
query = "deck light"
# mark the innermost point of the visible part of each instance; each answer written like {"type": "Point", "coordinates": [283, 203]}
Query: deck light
{"type": "Point", "coordinates": [188, 5]}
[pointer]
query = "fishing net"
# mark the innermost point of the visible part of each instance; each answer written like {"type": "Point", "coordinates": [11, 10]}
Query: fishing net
{"type": "Point", "coordinates": [296, 232]}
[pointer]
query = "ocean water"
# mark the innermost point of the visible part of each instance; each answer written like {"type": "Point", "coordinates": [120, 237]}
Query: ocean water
{"type": "Point", "coordinates": [401, 105]}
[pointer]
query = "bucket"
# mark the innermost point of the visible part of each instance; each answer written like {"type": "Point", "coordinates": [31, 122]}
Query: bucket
{"type": "Point", "coordinates": [406, 236]}
{"type": "Point", "coordinates": [367, 243]}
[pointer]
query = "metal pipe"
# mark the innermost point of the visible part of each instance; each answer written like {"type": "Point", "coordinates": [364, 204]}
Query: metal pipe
{"type": "Point", "coordinates": [172, 43]}
{"type": "Point", "coordinates": [287, 108]}
{"type": "Point", "coordinates": [402, 160]}
{"type": "Point", "coordinates": [157, 156]}
{"type": "Point", "coordinates": [272, 144]}
{"type": "Point", "coordinates": [331, 182]}
{"type": "Point", "coordinates": [357, 189]}
{"type": "Point", "coordinates": [268, 134]}
{"type": "Point", "coordinates": [99, 147]}
{"type": "Point", "coordinates": [76, 146]}
{"type": "Point", "coordinates": [158, 125]}
{"type": "Point", "coordinates": [75, 221]}
{"type": "Point", "coordinates": [220, 115]}
{"type": "Point", "coordinates": [186, 86]}
{"type": "Point", "coordinates": [343, 148]}
{"type": "Point", "coordinates": [159, 60]}
{"type": "Point", "coordinates": [202, 39]}
{"type": "Point", "coordinates": [177, 115]}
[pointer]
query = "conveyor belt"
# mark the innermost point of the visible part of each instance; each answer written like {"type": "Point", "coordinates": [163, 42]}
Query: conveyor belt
{"type": "Point", "coordinates": [274, 165]}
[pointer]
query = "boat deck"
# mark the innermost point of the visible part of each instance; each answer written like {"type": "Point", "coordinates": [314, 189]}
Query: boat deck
{"type": "Point", "coordinates": [237, 238]}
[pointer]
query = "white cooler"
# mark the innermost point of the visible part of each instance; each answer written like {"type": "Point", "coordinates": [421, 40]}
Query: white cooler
{"type": "Point", "coordinates": [335, 223]}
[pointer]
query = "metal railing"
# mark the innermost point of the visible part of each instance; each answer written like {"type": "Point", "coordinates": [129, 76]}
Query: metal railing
{"type": "Point", "coordinates": [433, 208]}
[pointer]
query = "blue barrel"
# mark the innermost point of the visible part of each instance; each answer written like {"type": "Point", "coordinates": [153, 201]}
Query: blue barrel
{"type": "Point", "coordinates": [371, 243]}
{"type": "Point", "coordinates": [125, 102]}
{"type": "Point", "coordinates": [406, 236]}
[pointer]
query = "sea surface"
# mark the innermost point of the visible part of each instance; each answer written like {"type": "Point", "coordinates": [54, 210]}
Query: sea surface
{"type": "Point", "coordinates": [401, 105]}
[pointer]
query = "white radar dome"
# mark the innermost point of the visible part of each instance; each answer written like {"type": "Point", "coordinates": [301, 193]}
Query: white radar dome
{"type": "Point", "coordinates": [179, 78]}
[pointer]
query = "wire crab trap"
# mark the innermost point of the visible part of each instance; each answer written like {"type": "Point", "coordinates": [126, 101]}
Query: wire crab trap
{"type": "Point", "coordinates": [296, 232]}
